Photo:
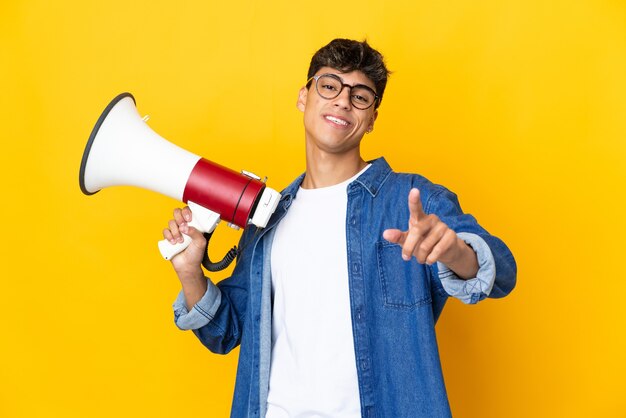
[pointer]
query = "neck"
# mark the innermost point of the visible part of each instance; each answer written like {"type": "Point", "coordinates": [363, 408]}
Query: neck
{"type": "Point", "coordinates": [324, 169]}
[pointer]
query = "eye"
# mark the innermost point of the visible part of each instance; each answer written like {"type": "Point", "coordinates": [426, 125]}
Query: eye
{"type": "Point", "coordinates": [361, 99]}
{"type": "Point", "coordinates": [328, 86]}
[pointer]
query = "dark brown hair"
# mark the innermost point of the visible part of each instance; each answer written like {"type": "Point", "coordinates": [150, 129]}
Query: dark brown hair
{"type": "Point", "coordinates": [347, 55]}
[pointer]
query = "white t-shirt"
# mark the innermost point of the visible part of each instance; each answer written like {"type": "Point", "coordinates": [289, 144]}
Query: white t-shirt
{"type": "Point", "coordinates": [313, 366]}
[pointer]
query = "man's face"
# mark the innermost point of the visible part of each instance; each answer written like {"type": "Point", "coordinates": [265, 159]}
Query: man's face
{"type": "Point", "coordinates": [335, 125]}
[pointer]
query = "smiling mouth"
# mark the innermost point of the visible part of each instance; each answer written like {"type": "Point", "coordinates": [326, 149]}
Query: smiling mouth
{"type": "Point", "coordinates": [337, 121]}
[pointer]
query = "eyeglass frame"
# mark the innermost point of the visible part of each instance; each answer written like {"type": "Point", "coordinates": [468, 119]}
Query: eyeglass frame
{"type": "Point", "coordinates": [375, 103]}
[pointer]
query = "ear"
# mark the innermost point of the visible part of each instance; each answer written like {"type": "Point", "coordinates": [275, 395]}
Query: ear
{"type": "Point", "coordinates": [370, 127]}
{"type": "Point", "coordinates": [302, 95]}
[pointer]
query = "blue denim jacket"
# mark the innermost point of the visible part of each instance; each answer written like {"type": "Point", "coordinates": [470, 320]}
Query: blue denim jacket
{"type": "Point", "coordinates": [394, 304]}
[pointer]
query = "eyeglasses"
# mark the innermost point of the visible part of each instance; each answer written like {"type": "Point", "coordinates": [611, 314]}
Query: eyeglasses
{"type": "Point", "coordinates": [329, 86]}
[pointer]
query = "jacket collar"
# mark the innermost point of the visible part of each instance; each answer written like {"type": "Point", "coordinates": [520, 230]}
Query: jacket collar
{"type": "Point", "coordinates": [372, 180]}
{"type": "Point", "coordinates": [374, 177]}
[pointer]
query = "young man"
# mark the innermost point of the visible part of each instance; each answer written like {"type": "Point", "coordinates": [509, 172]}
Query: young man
{"type": "Point", "coordinates": [335, 302]}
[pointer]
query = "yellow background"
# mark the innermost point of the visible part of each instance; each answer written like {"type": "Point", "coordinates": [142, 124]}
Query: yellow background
{"type": "Point", "coordinates": [517, 106]}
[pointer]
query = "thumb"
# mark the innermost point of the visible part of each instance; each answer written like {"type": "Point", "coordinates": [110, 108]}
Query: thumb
{"type": "Point", "coordinates": [196, 236]}
{"type": "Point", "coordinates": [394, 235]}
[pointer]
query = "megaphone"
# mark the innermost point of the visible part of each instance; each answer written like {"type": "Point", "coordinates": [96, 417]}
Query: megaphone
{"type": "Point", "coordinates": [123, 150]}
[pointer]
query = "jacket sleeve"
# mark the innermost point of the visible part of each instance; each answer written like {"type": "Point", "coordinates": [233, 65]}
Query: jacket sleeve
{"type": "Point", "coordinates": [497, 272]}
{"type": "Point", "coordinates": [217, 318]}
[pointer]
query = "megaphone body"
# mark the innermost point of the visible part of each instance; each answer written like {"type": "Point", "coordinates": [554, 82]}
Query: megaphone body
{"type": "Point", "coordinates": [123, 150]}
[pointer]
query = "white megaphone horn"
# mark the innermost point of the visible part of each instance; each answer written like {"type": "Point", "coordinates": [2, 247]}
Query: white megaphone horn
{"type": "Point", "coordinates": [123, 150]}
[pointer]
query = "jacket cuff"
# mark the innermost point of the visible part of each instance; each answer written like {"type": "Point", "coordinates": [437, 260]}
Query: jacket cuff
{"type": "Point", "coordinates": [472, 290]}
{"type": "Point", "coordinates": [201, 313]}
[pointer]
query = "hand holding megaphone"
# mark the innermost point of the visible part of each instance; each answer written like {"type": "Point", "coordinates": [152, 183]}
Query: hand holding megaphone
{"type": "Point", "coordinates": [202, 219]}
{"type": "Point", "coordinates": [123, 150]}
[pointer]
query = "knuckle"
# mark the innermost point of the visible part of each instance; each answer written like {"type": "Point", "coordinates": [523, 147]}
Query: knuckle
{"type": "Point", "coordinates": [447, 242]}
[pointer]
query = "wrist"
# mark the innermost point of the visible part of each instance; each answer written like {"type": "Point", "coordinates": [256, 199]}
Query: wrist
{"type": "Point", "coordinates": [465, 262]}
{"type": "Point", "coordinates": [189, 276]}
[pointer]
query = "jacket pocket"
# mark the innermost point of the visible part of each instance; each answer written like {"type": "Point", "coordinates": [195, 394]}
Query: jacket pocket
{"type": "Point", "coordinates": [404, 284]}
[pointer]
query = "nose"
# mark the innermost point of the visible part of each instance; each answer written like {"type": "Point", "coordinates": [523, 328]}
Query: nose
{"type": "Point", "coordinates": [343, 99]}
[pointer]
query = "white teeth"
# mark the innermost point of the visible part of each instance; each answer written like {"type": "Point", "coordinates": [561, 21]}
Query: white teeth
{"type": "Point", "coordinates": [337, 121]}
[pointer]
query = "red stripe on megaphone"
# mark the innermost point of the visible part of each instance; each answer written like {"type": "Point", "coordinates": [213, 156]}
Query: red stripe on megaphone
{"type": "Point", "coordinates": [222, 190]}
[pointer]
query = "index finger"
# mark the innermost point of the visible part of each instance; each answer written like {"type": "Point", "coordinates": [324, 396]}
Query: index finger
{"type": "Point", "coordinates": [415, 205]}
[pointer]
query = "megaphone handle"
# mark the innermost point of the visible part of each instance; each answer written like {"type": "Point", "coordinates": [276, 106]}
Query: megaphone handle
{"type": "Point", "coordinates": [169, 250]}
{"type": "Point", "coordinates": [203, 219]}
